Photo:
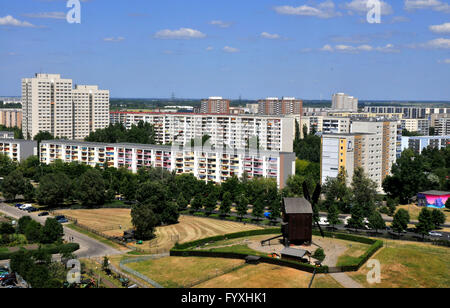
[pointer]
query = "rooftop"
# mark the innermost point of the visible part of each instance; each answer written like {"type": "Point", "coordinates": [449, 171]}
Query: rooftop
{"type": "Point", "coordinates": [297, 206]}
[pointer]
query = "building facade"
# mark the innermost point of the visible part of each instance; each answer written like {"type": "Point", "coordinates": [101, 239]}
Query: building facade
{"type": "Point", "coordinates": [50, 103]}
{"type": "Point", "coordinates": [342, 101]}
{"type": "Point", "coordinates": [408, 112]}
{"type": "Point", "coordinates": [284, 106]}
{"type": "Point", "coordinates": [205, 163]}
{"type": "Point", "coordinates": [11, 117]}
{"type": "Point", "coordinates": [215, 105]}
{"type": "Point", "coordinates": [418, 144]}
{"type": "Point", "coordinates": [421, 126]}
{"type": "Point", "coordinates": [271, 133]}
{"type": "Point", "coordinates": [18, 150]}
{"type": "Point", "coordinates": [442, 126]}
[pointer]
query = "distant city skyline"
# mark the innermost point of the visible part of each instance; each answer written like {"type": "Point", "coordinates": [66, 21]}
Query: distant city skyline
{"type": "Point", "coordinates": [253, 49]}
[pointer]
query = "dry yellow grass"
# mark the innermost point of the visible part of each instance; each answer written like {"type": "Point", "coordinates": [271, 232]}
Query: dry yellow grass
{"type": "Point", "coordinates": [414, 211]}
{"type": "Point", "coordinates": [261, 276]}
{"type": "Point", "coordinates": [188, 229]}
{"type": "Point", "coordinates": [178, 272]}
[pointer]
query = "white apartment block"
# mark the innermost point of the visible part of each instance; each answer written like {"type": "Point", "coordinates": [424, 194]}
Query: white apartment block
{"type": "Point", "coordinates": [350, 151]}
{"type": "Point", "coordinates": [335, 125]}
{"type": "Point", "coordinates": [386, 135]}
{"type": "Point", "coordinates": [418, 144]}
{"type": "Point", "coordinates": [342, 101]}
{"type": "Point", "coordinates": [51, 104]}
{"type": "Point", "coordinates": [6, 135]}
{"type": "Point", "coordinates": [271, 133]}
{"type": "Point", "coordinates": [408, 112]}
{"type": "Point", "coordinates": [209, 164]}
{"type": "Point", "coordinates": [442, 126]}
{"type": "Point", "coordinates": [91, 110]}
{"type": "Point", "coordinates": [18, 150]}
{"type": "Point", "coordinates": [421, 126]}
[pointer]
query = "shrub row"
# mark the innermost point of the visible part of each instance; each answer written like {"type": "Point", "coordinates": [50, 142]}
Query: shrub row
{"type": "Point", "coordinates": [50, 249]}
{"type": "Point", "coordinates": [226, 237]}
{"type": "Point", "coordinates": [346, 237]}
{"type": "Point", "coordinates": [364, 258]}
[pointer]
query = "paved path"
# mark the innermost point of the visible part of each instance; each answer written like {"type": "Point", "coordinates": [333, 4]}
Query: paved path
{"type": "Point", "coordinates": [344, 280]}
{"type": "Point", "coordinates": [88, 246]}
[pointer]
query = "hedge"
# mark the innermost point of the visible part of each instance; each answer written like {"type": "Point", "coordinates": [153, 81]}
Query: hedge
{"type": "Point", "coordinates": [182, 250]}
{"type": "Point", "coordinates": [226, 237]}
{"type": "Point", "coordinates": [50, 249]}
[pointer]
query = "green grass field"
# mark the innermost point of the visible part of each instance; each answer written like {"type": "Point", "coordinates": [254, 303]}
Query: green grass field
{"type": "Point", "coordinates": [410, 265]}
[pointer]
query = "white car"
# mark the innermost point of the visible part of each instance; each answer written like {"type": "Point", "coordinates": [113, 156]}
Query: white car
{"type": "Point", "coordinates": [323, 221]}
{"type": "Point", "coordinates": [435, 234]}
{"type": "Point", "coordinates": [25, 206]}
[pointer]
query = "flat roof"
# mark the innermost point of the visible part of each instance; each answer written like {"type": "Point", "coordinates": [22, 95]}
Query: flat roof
{"type": "Point", "coordinates": [435, 193]}
{"type": "Point", "coordinates": [166, 147]}
{"type": "Point", "coordinates": [293, 252]}
{"type": "Point", "coordinates": [198, 114]}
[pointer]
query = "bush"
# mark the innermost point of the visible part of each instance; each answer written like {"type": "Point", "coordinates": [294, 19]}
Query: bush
{"type": "Point", "coordinates": [50, 249]}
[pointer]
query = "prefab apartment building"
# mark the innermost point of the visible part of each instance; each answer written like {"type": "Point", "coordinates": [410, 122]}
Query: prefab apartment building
{"type": "Point", "coordinates": [209, 164]}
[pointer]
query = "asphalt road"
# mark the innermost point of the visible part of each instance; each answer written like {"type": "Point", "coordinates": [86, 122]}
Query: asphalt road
{"type": "Point", "coordinates": [88, 246]}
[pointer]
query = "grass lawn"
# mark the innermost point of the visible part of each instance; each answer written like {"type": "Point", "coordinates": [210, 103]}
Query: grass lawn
{"type": "Point", "coordinates": [94, 268]}
{"type": "Point", "coordinates": [178, 272]}
{"type": "Point", "coordinates": [352, 254]}
{"type": "Point", "coordinates": [410, 265]}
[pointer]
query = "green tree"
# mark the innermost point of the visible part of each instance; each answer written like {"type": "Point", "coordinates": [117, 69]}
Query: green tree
{"type": "Point", "coordinates": [90, 188]}
{"type": "Point", "coordinates": [447, 204]}
{"type": "Point", "coordinates": [22, 224]}
{"type": "Point", "coordinates": [401, 221]}
{"type": "Point", "coordinates": [6, 228]}
{"type": "Point", "coordinates": [410, 175]}
{"type": "Point", "coordinates": [52, 231]}
{"type": "Point", "coordinates": [364, 192]}
{"type": "Point", "coordinates": [376, 221]}
{"type": "Point", "coordinates": [225, 205]}
{"type": "Point", "coordinates": [258, 209]}
{"type": "Point", "coordinates": [29, 191]}
{"type": "Point", "coordinates": [425, 224]}
{"type": "Point", "coordinates": [42, 136]}
{"type": "Point", "coordinates": [170, 214]}
{"type": "Point", "coordinates": [53, 189]}
{"type": "Point", "coordinates": [197, 203]}
{"type": "Point", "coordinates": [438, 218]}
{"type": "Point", "coordinates": [6, 165]}
{"type": "Point", "coordinates": [333, 215]}
{"type": "Point", "coordinates": [33, 231]}
{"type": "Point", "coordinates": [337, 192]}
{"type": "Point", "coordinates": [13, 185]}
{"type": "Point", "coordinates": [319, 254]}
{"type": "Point", "coordinates": [275, 208]}
{"type": "Point", "coordinates": [357, 219]}
{"type": "Point", "coordinates": [144, 221]}
{"type": "Point", "coordinates": [181, 202]}
{"type": "Point", "coordinates": [242, 206]}
{"type": "Point", "coordinates": [210, 203]}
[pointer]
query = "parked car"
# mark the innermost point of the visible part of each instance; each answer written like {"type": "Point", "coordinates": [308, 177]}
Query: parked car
{"type": "Point", "coordinates": [25, 206]}
{"type": "Point", "coordinates": [18, 205]}
{"type": "Point", "coordinates": [435, 234]}
{"type": "Point", "coordinates": [61, 219]}
{"type": "Point", "coordinates": [43, 214]}
{"type": "Point", "coordinates": [31, 210]}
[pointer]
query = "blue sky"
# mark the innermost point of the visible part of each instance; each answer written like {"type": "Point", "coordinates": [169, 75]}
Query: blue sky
{"type": "Point", "coordinates": [253, 48]}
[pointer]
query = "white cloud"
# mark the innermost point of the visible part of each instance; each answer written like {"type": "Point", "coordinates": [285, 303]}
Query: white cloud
{"type": "Point", "coordinates": [114, 39]}
{"type": "Point", "coordinates": [209, 48]}
{"type": "Point", "coordinates": [180, 34]}
{"type": "Point", "coordinates": [445, 61]}
{"type": "Point", "coordinates": [389, 48]}
{"type": "Point", "coordinates": [220, 23]}
{"type": "Point", "coordinates": [229, 49]}
{"type": "Point", "coordinates": [46, 15]}
{"type": "Point", "coordinates": [360, 7]}
{"type": "Point", "coordinates": [270, 36]}
{"type": "Point", "coordinates": [435, 5]}
{"type": "Point", "coordinates": [439, 43]}
{"type": "Point", "coordinates": [323, 10]}
{"type": "Point", "coordinates": [11, 21]}
{"type": "Point", "coordinates": [444, 28]}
